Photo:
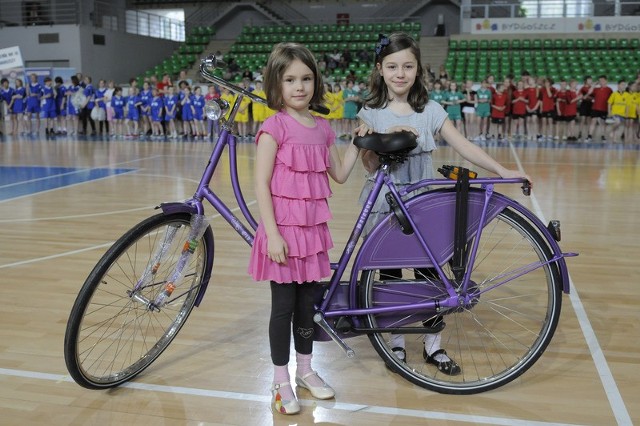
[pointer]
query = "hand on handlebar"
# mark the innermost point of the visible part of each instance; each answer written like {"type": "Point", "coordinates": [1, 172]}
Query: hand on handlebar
{"type": "Point", "coordinates": [515, 174]}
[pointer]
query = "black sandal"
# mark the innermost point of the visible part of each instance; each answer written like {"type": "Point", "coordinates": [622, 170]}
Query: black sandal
{"type": "Point", "coordinates": [450, 368]}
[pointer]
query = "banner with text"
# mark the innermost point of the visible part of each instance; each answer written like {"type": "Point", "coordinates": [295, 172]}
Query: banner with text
{"type": "Point", "coordinates": [11, 64]}
{"type": "Point", "coordinates": [622, 24]}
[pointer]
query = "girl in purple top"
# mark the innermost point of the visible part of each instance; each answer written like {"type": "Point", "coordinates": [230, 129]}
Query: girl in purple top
{"type": "Point", "coordinates": [295, 155]}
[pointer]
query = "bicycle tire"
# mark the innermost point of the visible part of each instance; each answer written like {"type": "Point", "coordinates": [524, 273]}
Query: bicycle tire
{"type": "Point", "coordinates": [110, 336]}
{"type": "Point", "coordinates": [505, 331]}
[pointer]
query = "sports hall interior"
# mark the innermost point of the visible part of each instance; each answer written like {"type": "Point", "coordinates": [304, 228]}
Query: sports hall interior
{"type": "Point", "coordinates": [66, 198]}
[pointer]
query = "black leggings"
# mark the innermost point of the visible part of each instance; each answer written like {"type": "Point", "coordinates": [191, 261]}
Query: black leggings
{"type": "Point", "coordinates": [291, 301]}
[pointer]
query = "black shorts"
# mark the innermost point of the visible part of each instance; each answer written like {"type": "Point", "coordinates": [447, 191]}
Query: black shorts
{"type": "Point", "coordinates": [496, 120]}
{"type": "Point", "coordinates": [517, 116]}
{"type": "Point", "coordinates": [532, 113]}
{"type": "Point", "coordinates": [585, 108]}
{"type": "Point", "coordinates": [548, 114]}
{"type": "Point", "coordinates": [568, 118]}
{"type": "Point", "coordinates": [599, 114]}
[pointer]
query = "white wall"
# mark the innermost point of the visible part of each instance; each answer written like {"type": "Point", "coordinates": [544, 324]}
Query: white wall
{"type": "Point", "coordinates": [123, 56]}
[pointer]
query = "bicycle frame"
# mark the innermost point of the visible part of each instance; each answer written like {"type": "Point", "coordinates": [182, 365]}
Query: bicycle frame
{"type": "Point", "coordinates": [487, 202]}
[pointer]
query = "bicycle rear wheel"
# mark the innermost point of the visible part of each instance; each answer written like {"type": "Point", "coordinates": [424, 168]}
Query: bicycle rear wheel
{"type": "Point", "coordinates": [495, 339]}
{"type": "Point", "coordinates": [112, 336]}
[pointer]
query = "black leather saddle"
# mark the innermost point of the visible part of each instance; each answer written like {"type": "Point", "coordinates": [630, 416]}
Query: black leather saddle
{"type": "Point", "coordinates": [387, 143]}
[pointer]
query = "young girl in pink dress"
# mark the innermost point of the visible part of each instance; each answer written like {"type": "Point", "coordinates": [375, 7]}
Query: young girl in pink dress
{"type": "Point", "coordinates": [295, 155]}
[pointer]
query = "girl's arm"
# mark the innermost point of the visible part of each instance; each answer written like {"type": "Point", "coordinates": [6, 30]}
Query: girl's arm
{"type": "Point", "coordinates": [341, 169]}
{"type": "Point", "coordinates": [475, 154]}
{"type": "Point", "coordinates": [265, 159]}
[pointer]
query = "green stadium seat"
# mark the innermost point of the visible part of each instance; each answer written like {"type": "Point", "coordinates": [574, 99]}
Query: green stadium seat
{"type": "Point", "coordinates": [526, 44]}
{"type": "Point", "coordinates": [601, 43]}
{"type": "Point", "coordinates": [516, 44]}
{"type": "Point", "coordinates": [547, 44]}
{"type": "Point", "coordinates": [505, 45]}
{"type": "Point", "coordinates": [494, 44]}
{"type": "Point", "coordinates": [536, 44]}
{"type": "Point", "coordinates": [473, 44]}
{"type": "Point", "coordinates": [453, 44]}
{"type": "Point", "coordinates": [590, 43]}
{"type": "Point", "coordinates": [634, 43]}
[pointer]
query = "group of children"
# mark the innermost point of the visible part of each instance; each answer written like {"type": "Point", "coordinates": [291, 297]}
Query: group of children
{"type": "Point", "coordinates": [154, 111]}
{"type": "Point", "coordinates": [538, 109]}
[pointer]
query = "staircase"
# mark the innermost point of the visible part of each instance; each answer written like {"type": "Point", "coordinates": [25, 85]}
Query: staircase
{"type": "Point", "coordinates": [434, 51]}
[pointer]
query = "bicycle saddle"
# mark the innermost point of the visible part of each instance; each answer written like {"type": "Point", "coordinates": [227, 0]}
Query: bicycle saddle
{"type": "Point", "coordinates": [387, 143]}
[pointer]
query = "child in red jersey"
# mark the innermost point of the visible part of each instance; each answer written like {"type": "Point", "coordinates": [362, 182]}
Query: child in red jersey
{"type": "Point", "coordinates": [600, 107]}
{"type": "Point", "coordinates": [572, 97]}
{"type": "Point", "coordinates": [519, 102]}
{"type": "Point", "coordinates": [586, 102]}
{"type": "Point", "coordinates": [498, 109]}
{"type": "Point", "coordinates": [547, 107]}
{"type": "Point", "coordinates": [533, 108]}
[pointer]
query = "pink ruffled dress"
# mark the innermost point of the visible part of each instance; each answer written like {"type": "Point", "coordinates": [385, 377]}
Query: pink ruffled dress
{"type": "Point", "coordinates": [299, 190]}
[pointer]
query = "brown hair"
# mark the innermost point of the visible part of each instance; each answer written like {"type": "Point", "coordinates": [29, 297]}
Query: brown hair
{"type": "Point", "coordinates": [418, 95]}
{"type": "Point", "coordinates": [282, 55]}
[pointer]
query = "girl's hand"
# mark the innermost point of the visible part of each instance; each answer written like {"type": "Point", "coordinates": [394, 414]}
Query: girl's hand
{"type": "Point", "coordinates": [362, 130]}
{"type": "Point", "coordinates": [277, 249]}
{"type": "Point", "coordinates": [403, 128]}
{"type": "Point", "coordinates": [515, 174]}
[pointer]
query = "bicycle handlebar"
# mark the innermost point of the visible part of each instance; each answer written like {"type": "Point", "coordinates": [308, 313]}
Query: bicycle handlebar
{"type": "Point", "coordinates": [211, 63]}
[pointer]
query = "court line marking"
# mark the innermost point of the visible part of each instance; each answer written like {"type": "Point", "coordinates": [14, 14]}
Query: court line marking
{"type": "Point", "coordinates": [341, 406]}
{"type": "Point", "coordinates": [57, 175]}
{"type": "Point", "coordinates": [109, 244]}
{"type": "Point", "coordinates": [110, 165]}
{"type": "Point", "coordinates": [616, 402]}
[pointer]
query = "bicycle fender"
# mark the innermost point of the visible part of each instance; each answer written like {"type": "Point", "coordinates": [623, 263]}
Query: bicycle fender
{"type": "Point", "coordinates": [184, 207]}
{"type": "Point", "coordinates": [387, 247]}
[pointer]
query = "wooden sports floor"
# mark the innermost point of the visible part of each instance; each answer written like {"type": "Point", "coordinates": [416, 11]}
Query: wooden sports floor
{"type": "Point", "coordinates": [64, 201]}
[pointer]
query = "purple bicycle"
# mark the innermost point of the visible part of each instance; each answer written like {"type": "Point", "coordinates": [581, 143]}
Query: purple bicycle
{"type": "Point", "coordinates": [453, 257]}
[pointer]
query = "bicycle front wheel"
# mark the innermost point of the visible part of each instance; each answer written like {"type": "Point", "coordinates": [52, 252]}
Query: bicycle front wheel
{"type": "Point", "coordinates": [494, 339]}
{"type": "Point", "coordinates": [112, 333]}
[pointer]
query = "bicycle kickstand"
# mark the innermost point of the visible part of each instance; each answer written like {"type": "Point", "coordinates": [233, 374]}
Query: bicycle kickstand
{"type": "Point", "coordinates": [319, 319]}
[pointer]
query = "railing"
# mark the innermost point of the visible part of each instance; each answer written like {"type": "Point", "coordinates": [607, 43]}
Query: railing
{"type": "Point", "coordinates": [27, 13]}
{"type": "Point", "coordinates": [552, 9]}
{"type": "Point", "coordinates": [102, 15]}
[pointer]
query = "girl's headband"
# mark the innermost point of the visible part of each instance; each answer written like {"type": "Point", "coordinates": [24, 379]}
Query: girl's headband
{"type": "Point", "coordinates": [383, 41]}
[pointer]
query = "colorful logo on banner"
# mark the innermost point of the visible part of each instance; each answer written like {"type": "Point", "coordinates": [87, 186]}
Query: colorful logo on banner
{"type": "Point", "coordinates": [589, 25]}
{"type": "Point", "coordinates": [486, 25]}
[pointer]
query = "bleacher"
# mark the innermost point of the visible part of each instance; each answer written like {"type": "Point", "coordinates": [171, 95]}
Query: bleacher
{"type": "Point", "coordinates": [568, 58]}
{"type": "Point", "coordinates": [186, 54]}
{"type": "Point", "coordinates": [251, 49]}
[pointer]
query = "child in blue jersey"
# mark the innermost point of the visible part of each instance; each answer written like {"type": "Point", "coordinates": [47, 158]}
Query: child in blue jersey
{"type": "Point", "coordinates": [32, 109]}
{"type": "Point", "coordinates": [156, 107]}
{"type": "Point", "coordinates": [133, 112]}
{"type": "Point", "coordinates": [170, 108]}
{"type": "Point", "coordinates": [48, 106]}
{"type": "Point", "coordinates": [145, 107]}
{"type": "Point", "coordinates": [117, 104]}
{"type": "Point", "coordinates": [85, 113]}
{"type": "Point", "coordinates": [6, 96]}
{"type": "Point", "coordinates": [72, 110]}
{"type": "Point", "coordinates": [101, 103]}
{"type": "Point", "coordinates": [16, 107]}
{"type": "Point", "coordinates": [187, 112]}
{"type": "Point", "coordinates": [61, 107]}
{"type": "Point", "coordinates": [198, 113]}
